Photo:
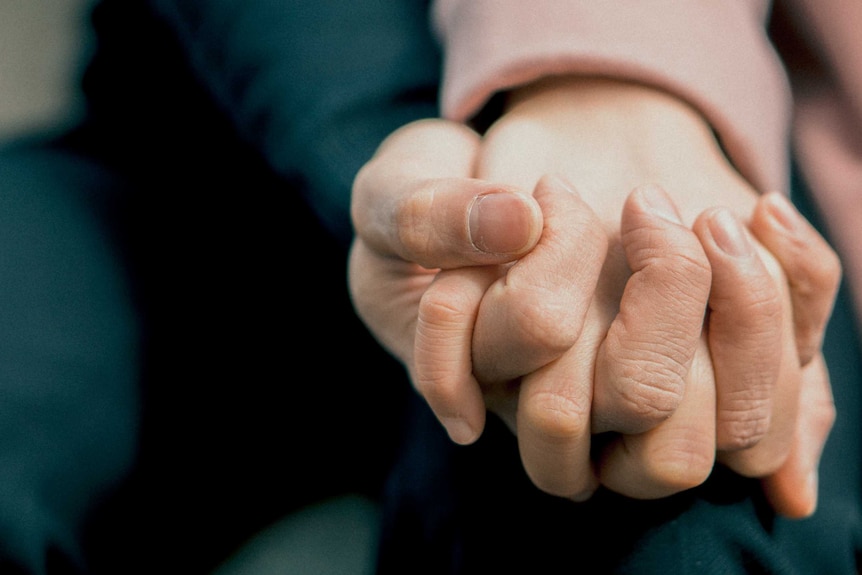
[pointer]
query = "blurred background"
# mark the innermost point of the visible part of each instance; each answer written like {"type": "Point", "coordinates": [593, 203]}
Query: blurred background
{"type": "Point", "coordinates": [43, 44]}
{"type": "Point", "coordinates": [44, 47]}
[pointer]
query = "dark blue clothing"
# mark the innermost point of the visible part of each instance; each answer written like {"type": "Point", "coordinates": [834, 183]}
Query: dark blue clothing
{"type": "Point", "coordinates": [174, 305]}
{"type": "Point", "coordinates": [471, 510]}
{"type": "Point", "coordinates": [174, 315]}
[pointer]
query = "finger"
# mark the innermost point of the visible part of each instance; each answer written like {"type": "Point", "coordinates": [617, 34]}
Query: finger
{"type": "Point", "coordinates": [553, 427]}
{"type": "Point", "coordinates": [744, 330]}
{"type": "Point", "coordinates": [770, 453]}
{"type": "Point", "coordinates": [792, 490]}
{"type": "Point", "coordinates": [812, 268]}
{"type": "Point", "coordinates": [646, 354]}
{"type": "Point", "coordinates": [442, 366]}
{"type": "Point", "coordinates": [536, 312]}
{"type": "Point", "coordinates": [416, 199]}
{"type": "Point", "coordinates": [385, 292]}
{"type": "Point", "coordinates": [674, 456]}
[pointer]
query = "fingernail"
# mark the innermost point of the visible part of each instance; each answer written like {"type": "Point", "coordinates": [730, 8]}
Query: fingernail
{"type": "Point", "coordinates": [729, 234]}
{"type": "Point", "coordinates": [658, 202]}
{"type": "Point", "coordinates": [459, 430]}
{"type": "Point", "coordinates": [782, 211]}
{"type": "Point", "coordinates": [501, 222]}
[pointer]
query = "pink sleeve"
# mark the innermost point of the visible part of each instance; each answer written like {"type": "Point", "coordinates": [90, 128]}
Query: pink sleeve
{"type": "Point", "coordinates": [827, 130]}
{"type": "Point", "coordinates": [713, 53]}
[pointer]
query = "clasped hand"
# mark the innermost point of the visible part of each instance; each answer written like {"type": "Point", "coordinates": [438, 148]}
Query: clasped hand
{"type": "Point", "coordinates": [620, 303]}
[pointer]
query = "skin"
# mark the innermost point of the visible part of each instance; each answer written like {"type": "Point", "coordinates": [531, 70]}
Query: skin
{"type": "Point", "coordinates": [544, 303]}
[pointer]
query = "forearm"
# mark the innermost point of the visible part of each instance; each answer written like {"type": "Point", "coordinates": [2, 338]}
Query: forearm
{"type": "Point", "coordinates": [313, 86]}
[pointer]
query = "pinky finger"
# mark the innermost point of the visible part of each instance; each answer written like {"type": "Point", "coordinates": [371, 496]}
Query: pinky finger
{"type": "Point", "coordinates": [792, 490]}
{"type": "Point", "coordinates": [812, 268]}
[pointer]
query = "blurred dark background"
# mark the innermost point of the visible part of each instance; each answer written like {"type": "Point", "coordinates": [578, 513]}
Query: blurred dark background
{"type": "Point", "coordinates": [249, 413]}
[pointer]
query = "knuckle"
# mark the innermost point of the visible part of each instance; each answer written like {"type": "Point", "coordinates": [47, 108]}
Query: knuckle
{"type": "Point", "coordinates": [546, 325]}
{"type": "Point", "coordinates": [433, 385]}
{"type": "Point", "coordinates": [441, 309]}
{"type": "Point", "coordinates": [743, 430]}
{"type": "Point", "coordinates": [824, 417]}
{"type": "Point", "coordinates": [832, 269]}
{"type": "Point", "coordinates": [694, 266]}
{"type": "Point", "coordinates": [745, 412]}
{"type": "Point", "coordinates": [683, 284]}
{"type": "Point", "coordinates": [679, 254]}
{"type": "Point", "coordinates": [411, 221]}
{"type": "Point", "coordinates": [683, 463]}
{"type": "Point", "coordinates": [824, 274]}
{"type": "Point", "coordinates": [825, 420]}
{"type": "Point", "coordinates": [750, 317]}
{"type": "Point", "coordinates": [435, 379]}
{"type": "Point", "coordinates": [640, 388]}
{"type": "Point", "coordinates": [813, 267]}
{"type": "Point", "coordinates": [766, 305]}
{"type": "Point", "coordinates": [557, 417]}
{"type": "Point", "coordinates": [588, 228]}
{"type": "Point", "coordinates": [650, 392]}
{"type": "Point", "coordinates": [759, 318]}
{"type": "Point", "coordinates": [441, 318]}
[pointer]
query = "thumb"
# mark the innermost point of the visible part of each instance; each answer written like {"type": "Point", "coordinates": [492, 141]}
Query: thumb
{"type": "Point", "coordinates": [416, 199]}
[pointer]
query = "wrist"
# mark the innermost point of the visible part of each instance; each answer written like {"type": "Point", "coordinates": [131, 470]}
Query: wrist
{"type": "Point", "coordinates": [611, 136]}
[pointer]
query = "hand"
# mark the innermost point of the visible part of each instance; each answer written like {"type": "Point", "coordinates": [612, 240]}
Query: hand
{"type": "Point", "coordinates": [608, 137]}
{"type": "Point", "coordinates": [814, 273]}
{"type": "Point", "coordinates": [427, 243]}
{"type": "Point", "coordinates": [416, 210]}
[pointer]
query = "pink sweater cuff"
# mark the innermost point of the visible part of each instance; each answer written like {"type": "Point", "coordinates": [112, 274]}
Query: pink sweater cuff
{"type": "Point", "coordinates": [715, 55]}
